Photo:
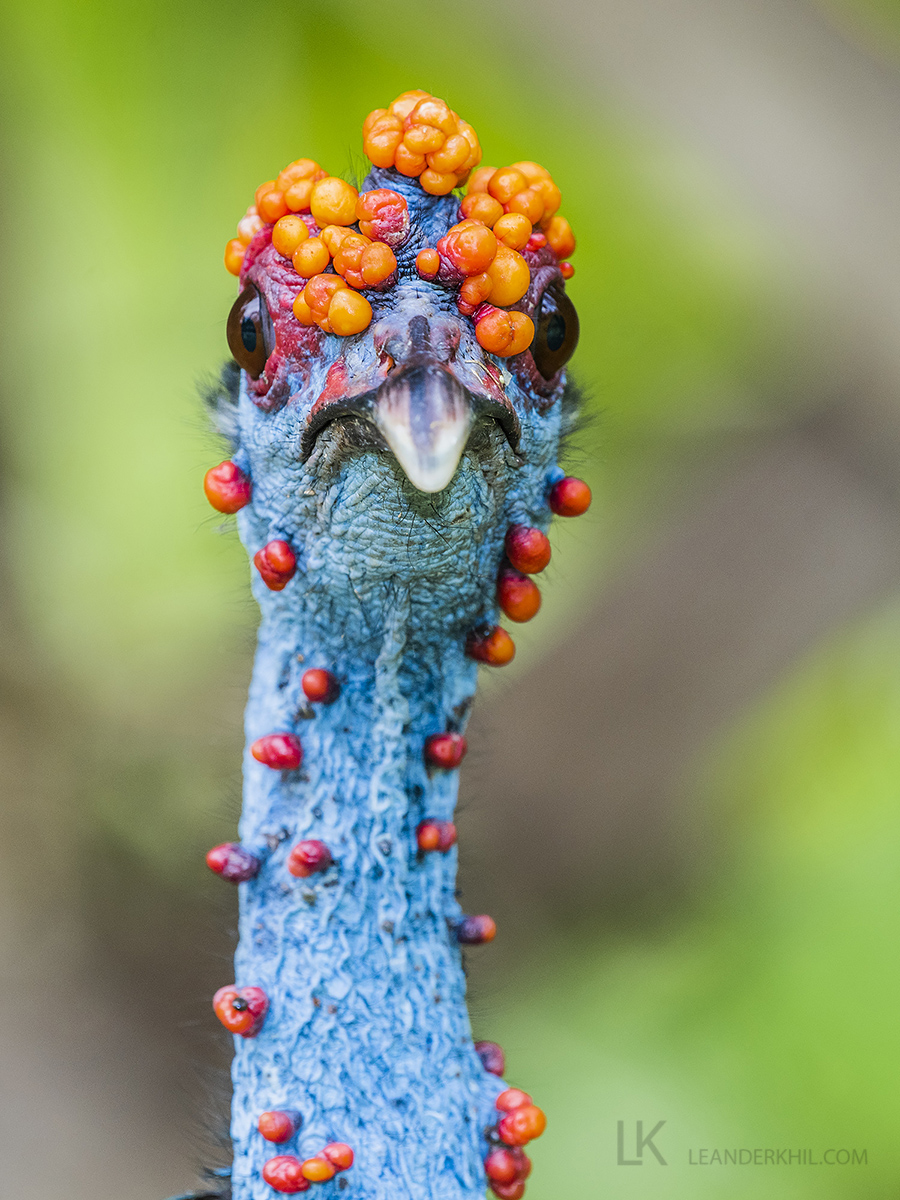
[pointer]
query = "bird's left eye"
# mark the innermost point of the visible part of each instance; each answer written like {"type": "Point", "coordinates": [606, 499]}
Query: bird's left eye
{"type": "Point", "coordinates": [249, 332]}
{"type": "Point", "coordinates": [555, 331]}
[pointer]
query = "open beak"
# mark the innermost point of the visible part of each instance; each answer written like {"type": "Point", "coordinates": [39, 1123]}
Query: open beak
{"type": "Point", "coordinates": [424, 415]}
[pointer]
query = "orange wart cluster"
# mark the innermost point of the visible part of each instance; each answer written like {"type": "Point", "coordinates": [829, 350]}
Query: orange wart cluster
{"type": "Point", "coordinates": [500, 211]}
{"type": "Point", "coordinates": [504, 213]}
{"type": "Point", "coordinates": [310, 213]}
{"type": "Point", "coordinates": [421, 137]}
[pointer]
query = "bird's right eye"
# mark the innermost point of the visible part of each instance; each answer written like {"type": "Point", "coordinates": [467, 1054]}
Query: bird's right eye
{"type": "Point", "coordinates": [249, 332]}
{"type": "Point", "coordinates": [555, 333]}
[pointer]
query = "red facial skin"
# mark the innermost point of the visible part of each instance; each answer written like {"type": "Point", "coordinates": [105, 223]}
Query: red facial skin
{"type": "Point", "coordinates": [436, 835]}
{"type": "Point", "coordinates": [227, 488]}
{"type": "Point", "coordinates": [518, 596]}
{"type": "Point", "coordinates": [284, 1174]}
{"type": "Point", "coordinates": [339, 1155]}
{"type": "Point", "coordinates": [570, 497]}
{"type": "Point", "coordinates": [320, 687]}
{"type": "Point", "coordinates": [492, 1057]}
{"type": "Point", "coordinates": [527, 549]}
{"type": "Point", "coordinates": [483, 310]}
{"type": "Point", "coordinates": [495, 648]}
{"type": "Point", "coordinates": [512, 1098]}
{"type": "Point", "coordinates": [279, 1125]}
{"type": "Point", "coordinates": [308, 858]}
{"type": "Point", "coordinates": [519, 1127]}
{"type": "Point", "coordinates": [475, 931]}
{"type": "Point", "coordinates": [241, 1010]}
{"type": "Point", "coordinates": [445, 750]}
{"type": "Point", "coordinates": [340, 387]}
{"type": "Point", "coordinates": [297, 347]}
{"type": "Point", "coordinates": [280, 751]}
{"type": "Point", "coordinates": [276, 564]}
{"type": "Point", "coordinates": [232, 862]}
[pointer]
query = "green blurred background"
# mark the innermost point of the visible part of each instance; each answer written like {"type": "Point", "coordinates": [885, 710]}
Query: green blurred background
{"type": "Point", "coordinates": [681, 803]}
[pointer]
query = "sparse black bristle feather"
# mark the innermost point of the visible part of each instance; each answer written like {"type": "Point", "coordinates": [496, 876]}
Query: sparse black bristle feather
{"type": "Point", "coordinates": [575, 419]}
{"type": "Point", "coordinates": [220, 398]}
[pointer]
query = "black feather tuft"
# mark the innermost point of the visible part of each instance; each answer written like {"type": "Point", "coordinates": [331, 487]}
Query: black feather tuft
{"type": "Point", "coordinates": [220, 398]}
{"type": "Point", "coordinates": [223, 1192]}
{"type": "Point", "coordinates": [575, 419]}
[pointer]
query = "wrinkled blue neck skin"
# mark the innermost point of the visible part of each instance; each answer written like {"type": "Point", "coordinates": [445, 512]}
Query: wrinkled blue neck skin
{"type": "Point", "coordinates": [367, 1033]}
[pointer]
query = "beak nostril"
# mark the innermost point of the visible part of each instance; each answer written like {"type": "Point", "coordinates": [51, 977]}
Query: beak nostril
{"type": "Point", "coordinates": [407, 339]}
{"type": "Point", "coordinates": [419, 334]}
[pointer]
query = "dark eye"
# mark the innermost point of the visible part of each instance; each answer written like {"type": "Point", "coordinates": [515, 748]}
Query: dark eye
{"type": "Point", "coordinates": [555, 331]}
{"type": "Point", "coordinates": [249, 332]}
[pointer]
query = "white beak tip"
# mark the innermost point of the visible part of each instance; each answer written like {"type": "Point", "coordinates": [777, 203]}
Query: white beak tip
{"type": "Point", "coordinates": [425, 416]}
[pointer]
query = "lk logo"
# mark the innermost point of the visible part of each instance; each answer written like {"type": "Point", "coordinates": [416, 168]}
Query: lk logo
{"type": "Point", "coordinates": [640, 1142]}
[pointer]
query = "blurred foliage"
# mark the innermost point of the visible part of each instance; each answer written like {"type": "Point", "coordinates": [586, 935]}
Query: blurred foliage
{"type": "Point", "coordinates": [761, 1013]}
{"type": "Point", "coordinates": [874, 23]}
{"type": "Point", "coordinates": [764, 1014]}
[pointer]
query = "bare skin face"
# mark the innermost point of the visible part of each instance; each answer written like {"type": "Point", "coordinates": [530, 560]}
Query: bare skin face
{"type": "Point", "coordinates": [416, 380]}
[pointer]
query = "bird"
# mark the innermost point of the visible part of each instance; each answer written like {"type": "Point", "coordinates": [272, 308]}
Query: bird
{"type": "Point", "coordinates": [394, 408]}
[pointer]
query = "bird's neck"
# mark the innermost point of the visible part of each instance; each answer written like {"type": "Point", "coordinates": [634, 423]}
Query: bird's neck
{"type": "Point", "coordinates": [398, 659]}
{"type": "Point", "coordinates": [367, 1033]}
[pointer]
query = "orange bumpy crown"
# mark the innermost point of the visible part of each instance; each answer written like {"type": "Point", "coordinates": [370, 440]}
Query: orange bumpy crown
{"type": "Point", "coordinates": [505, 212]}
{"type": "Point", "coordinates": [421, 137]}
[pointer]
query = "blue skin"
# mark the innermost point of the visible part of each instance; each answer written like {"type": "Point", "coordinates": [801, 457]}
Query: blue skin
{"type": "Point", "coordinates": [367, 1033]}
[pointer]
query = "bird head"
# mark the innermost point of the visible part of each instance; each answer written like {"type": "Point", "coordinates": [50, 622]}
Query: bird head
{"type": "Point", "coordinates": [400, 324]}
